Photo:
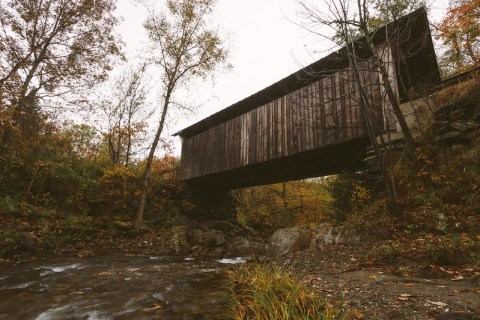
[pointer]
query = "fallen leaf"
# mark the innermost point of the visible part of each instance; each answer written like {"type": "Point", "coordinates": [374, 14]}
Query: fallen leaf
{"type": "Point", "coordinates": [457, 278]}
{"type": "Point", "coordinates": [447, 271]}
{"type": "Point", "coordinates": [153, 308]}
{"type": "Point", "coordinates": [437, 303]}
{"type": "Point", "coordinates": [405, 296]}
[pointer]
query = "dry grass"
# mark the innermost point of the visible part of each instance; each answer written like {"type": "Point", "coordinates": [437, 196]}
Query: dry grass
{"type": "Point", "coordinates": [264, 292]}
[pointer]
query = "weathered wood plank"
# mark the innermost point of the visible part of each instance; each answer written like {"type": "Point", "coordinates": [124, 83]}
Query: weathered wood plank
{"type": "Point", "coordinates": [322, 113]}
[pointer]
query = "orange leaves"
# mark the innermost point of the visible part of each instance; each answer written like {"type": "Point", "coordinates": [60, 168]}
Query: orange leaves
{"type": "Point", "coordinates": [460, 33]}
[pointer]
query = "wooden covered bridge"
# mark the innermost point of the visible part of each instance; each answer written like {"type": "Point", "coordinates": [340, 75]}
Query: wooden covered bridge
{"type": "Point", "coordinates": [310, 123]}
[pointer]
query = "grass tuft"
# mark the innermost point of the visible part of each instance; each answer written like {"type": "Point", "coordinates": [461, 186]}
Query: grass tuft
{"type": "Point", "coordinates": [265, 292]}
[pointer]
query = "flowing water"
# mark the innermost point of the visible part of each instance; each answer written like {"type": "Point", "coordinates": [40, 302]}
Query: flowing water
{"type": "Point", "coordinates": [112, 287]}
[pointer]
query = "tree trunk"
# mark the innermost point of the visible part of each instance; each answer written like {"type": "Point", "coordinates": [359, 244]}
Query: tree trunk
{"type": "Point", "coordinates": [129, 141]}
{"type": "Point", "coordinates": [372, 132]}
{"type": "Point", "coordinates": [148, 167]}
{"type": "Point", "coordinates": [410, 142]}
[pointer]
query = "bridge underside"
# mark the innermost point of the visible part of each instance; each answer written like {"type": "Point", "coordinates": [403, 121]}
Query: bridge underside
{"type": "Point", "coordinates": [314, 163]}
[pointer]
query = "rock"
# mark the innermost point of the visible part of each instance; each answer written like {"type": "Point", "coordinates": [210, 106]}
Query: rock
{"type": "Point", "coordinates": [215, 253]}
{"type": "Point", "coordinates": [351, 235]}
{"type": "Point", "coordinates": [198, 237]}
{"type": "Point", "coordinates": [464, 125]}
{"type": "Point", "coordinates": [179, 240]}
{"type": "Point", "coordinates": [284, 241]}
{"type": "Point", "coordinates": [241, 246]}
{"type": "Point", "coordinates": [196, 251]}
{"type": "Point", "coordinates": [219, 238]}
{"type": "Point", "coordinates": [325, 233]}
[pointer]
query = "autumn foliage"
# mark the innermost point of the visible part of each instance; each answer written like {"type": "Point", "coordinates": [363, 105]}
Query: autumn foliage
{"type": "Point", "coordinates": [67, 167]}
{"type": "Point", "coordinates": [460, 33]}
{"type": "Point", "coordinates": [284, 204]}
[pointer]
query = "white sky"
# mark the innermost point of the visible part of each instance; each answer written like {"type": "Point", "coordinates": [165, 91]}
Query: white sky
{"type": "Point", "coordinates": [265, 47]}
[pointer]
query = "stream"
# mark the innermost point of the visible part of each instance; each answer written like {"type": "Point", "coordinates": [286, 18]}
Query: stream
{"type": "Point", "coordinates": [112, 287]}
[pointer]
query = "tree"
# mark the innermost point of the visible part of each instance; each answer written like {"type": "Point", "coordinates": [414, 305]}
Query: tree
{"type": "Point", "coordinates": [387, 11]}
{"type": "Point", "coordinates": [349, 21]}
{"type": "Point", "coordinates": [384, 12]}
{"type": "Point", "coordinates": [51, 48]}
{"type": "Point", "coordinates": [125, 113]}
{"type": "Point", "coordinates": [184, 49]}
{"type": "Point", "coordinates": [284, 204]}
{"type": "Point", "coordinates": [460, 33]}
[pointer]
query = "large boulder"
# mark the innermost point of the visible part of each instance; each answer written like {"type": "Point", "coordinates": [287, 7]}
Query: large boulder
{"type": "Point", "coordinates": [285, 241]}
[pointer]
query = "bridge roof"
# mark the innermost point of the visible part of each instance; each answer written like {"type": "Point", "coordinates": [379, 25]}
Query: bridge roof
{"type": "Point", "coordinates": [321, 68]}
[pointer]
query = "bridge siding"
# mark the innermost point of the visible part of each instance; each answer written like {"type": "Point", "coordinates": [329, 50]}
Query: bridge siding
{"type": "Point", "coordinates": [322, 113]}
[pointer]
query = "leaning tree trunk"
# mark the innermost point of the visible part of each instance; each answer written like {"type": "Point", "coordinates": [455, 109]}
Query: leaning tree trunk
{"type": "Point", "coordinates": [392, 97]}
{"type": "Point", "coordinates": [148, 167]}
{"type": "Point", "coordinates": [372, 133]}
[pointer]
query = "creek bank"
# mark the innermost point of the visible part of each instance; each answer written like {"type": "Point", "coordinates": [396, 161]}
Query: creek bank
{"type": "Point", "coordinates": [344, 263]}
{"type": "Point", "coordinates": [26, 236]}
{"type": "Point", "coordinates": [214, 239]}
{"type": "Point", "coordinates": [373, 289]}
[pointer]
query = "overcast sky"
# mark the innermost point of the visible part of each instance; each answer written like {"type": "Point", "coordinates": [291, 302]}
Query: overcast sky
{"type": "Point", "coordinates": [266, 46]}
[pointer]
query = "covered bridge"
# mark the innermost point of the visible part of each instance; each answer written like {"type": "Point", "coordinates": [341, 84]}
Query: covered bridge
{"type": "Point", "coordinates": [310, 123]}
